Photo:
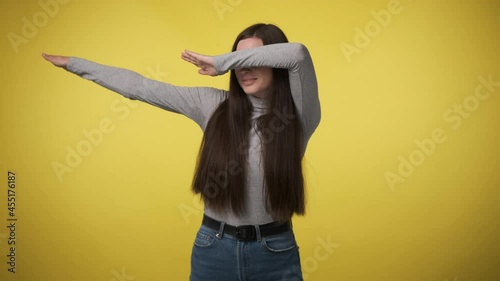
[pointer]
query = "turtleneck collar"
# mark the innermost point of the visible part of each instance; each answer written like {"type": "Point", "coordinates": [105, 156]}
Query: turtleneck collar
{"type": "Point", "coordinates": [258, 103]}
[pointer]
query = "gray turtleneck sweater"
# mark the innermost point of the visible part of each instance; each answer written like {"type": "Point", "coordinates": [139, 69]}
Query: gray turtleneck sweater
{"type": "Point", "coordinates": [198, 104]}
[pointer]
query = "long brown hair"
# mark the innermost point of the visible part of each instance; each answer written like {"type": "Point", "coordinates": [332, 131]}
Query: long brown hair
{"type": "Point", "coordinates": [220, 173]}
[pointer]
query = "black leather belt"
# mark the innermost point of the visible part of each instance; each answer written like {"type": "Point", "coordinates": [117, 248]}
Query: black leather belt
{"type": "Point", "coordinates": [247, 232]}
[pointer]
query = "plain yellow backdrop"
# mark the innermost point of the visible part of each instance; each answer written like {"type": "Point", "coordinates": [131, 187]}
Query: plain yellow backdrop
{"type": "Point", "coordinates": [402, 173]}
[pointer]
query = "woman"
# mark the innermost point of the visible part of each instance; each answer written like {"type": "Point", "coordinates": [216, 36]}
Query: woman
{"type": "Point", "coordinates": [249, 171]}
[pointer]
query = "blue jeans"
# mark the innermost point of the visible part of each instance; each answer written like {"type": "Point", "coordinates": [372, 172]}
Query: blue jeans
{"type": "Point", "coordinates": [270, 258]}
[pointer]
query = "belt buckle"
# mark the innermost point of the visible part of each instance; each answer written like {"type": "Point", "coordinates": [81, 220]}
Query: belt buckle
{"type": "Point", "coordinates": [246, 233]}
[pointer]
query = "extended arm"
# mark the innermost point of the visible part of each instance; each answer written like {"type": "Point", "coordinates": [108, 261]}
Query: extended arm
{"type": "Point", "coordinates": [197, 103]}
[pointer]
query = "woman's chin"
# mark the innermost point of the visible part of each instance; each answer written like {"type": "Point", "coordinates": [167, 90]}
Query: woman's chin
{"type": "Point", "coordinates": [249, 92]}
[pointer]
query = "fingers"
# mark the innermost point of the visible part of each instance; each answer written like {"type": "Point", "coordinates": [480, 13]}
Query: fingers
{"type": "Point", "coordinates": [204, 71]}
{"type": "Point", "coordinates": [59, 61]}
{"type": "Point", "coordinates": [191, 60]}
{"type": "Point", "coordinates": [47, 57]}
{"type": "Point", "coordinates": [192, 54]}
{"type": "Point", "coordinates": [203, 62]}
{"type": "Point", "coordinates": [190, 57]}
{"type": "Point", "coordinates": [51, 59]}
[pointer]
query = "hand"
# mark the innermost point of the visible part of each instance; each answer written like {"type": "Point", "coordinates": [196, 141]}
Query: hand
{"type": "Point", "coordinates": [205, 63]}
{"type": "Point", "coordinates": [59, 61]}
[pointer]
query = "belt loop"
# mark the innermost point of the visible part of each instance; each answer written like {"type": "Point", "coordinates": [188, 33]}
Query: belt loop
{"type": "Point", "coordinates": [221, 231]}
{"type": "Point", "coordinates": [257, 233]}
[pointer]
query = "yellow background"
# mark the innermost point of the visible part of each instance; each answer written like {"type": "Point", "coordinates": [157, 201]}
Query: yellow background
{"type": "Point", "coordinates": [127, 208]}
